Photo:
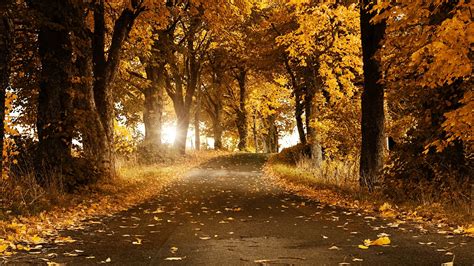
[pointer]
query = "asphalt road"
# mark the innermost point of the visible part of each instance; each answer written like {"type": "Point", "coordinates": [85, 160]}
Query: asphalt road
{"type": "Point", "coordinates": [225, 213]}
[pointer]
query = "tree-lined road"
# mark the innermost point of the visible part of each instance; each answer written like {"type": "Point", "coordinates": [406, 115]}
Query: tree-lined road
{"type": "Point", "coordinates": [225, 213]}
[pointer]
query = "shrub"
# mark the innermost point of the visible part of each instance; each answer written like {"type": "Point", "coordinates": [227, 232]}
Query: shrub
{"type": "Point", "coordinates": [293, 154]}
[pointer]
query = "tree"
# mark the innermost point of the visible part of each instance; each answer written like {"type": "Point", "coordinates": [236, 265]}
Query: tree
{"type": "Point", "coordinates": [241, 112]}
{"type": "Point", "coordinates": [54, 101]}
{"type": "Point", "coordinates": [373, 114]}
{"type": "Point", "coordinates": [214, 94]}
{"type": "Point", "coordinates": [322, 63]}
{"type": "Point", "coordinates": [71, 62]}
{"type": "Point", "coordinates": [427, 73]}
{"type": "Point", "coordinates": [6, 44]}
{"type": "Point", "coordinates": [105, 67]}
{"type": "Point", "coordinates": [153, 108]}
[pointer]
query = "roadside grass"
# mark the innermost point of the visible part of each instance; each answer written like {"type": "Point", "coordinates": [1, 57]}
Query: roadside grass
{"type": "Point", "coordinates": [40, 222]}
{"type": "Point", "coordinates": [336, 183]}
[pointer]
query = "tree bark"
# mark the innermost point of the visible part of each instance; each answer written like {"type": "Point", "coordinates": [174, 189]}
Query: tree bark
{"type": "Point", "coordinates": [299, 108]}
{"type": "Point", "coordinates": [6, 44]}
{"type": "Point", "coordinates": [54, 106]}
{"type": "Point", "coordinates": [197, 120]}
{"type": "Point", "coordinates": [373, 118]}
{"type": "Point", "coordinates": [241, 121]}
{"type": "Point", "coordinates": [217, 132]}
{"type": "Point", "coordinates": [316, 149]}
{"type": "Point", "coordinates": [271, 138]}
{"type": "Point", "coordinates": [182, 127]}
{"type": "Point", "coordinates": [254, 129]}
{"type": "Point", "coordinates": [97, 149]}
{"type": "Point", "coordinates": [153, 107]}
{"type": "Point", "coordinates": [213, 99]}
{"type": "Point", "coordinates": [106, 68]}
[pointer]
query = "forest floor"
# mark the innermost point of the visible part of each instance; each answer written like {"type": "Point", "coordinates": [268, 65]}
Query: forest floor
{"type": "Point", "coordinates": [226, 212]}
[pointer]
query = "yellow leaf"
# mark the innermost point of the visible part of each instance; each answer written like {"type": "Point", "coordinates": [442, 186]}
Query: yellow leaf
{"type": "Point", "coordinates": [64, 240]}
{"type": "Point", "coordinates": [3, 248]}
{"type": "Point", "coordinates": [363, 247]}
{"type": "Point", "coordinates": [469, 231]}
{"type": "Point", "coordinates": [381, 241]}
{"type": "Point", "coordinates": [37, 240]}
{"type": "Point", "coordinates": [385, 207]}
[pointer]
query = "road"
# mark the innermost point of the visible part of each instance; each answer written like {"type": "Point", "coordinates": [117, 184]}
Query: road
{"type": "Point", "coordinates": [225, 213]}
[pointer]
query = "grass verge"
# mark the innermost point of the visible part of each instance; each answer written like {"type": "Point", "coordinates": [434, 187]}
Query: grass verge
{"type": "Point", "coordinates": [336, 183]}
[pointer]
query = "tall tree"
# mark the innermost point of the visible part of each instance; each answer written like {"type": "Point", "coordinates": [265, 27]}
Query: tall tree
{"type": "Point", "coordinates": [373, 115]}
{"type": "Point", "coordinates": [153, 108]}
{"type": "Point", "coordinates": [213, 100]}
{"type": "Point", "coordinates": [54, 101]}
{"type": "Point", "coordinates": [106, 61]}
{"type": "Point", "coordinates": [6, 44]}
{"type": "Point", "coordinates": [184, 51]}
{"type": "Point", "coordinates": [241, 112]}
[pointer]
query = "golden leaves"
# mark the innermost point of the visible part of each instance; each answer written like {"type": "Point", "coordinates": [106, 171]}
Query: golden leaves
{"type": "Point", "coordinates": [381, 241]}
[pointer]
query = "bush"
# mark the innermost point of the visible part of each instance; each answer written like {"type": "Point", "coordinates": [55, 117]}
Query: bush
{"type": "Point", "coordinates": [293, 154]}
{"type": "Point", "coordinates": [153, 154]}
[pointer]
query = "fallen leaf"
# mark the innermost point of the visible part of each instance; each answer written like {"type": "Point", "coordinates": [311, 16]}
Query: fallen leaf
{"type": "Point", "coordinates": [363, 247]}
{"type": "Point", "coordinates": [334, 248]}
{"type": "Point", "coordinates": [175, 258]}
{"type": "Point", "coordinates": [138, 242]}
{"type": "Point", "coordinates": [357, 259]}
{"type": "Point", "coordinates": [378, 242]}
{"type": "Point", "coordinates": [36, 240]}
{"type": "Point", "coordinates": [159, 210]}
{"type": "Point", "coordinates": [263, 261]}
{"type": "Point", "coordinates": [173, 249]}
{"type": "Point", "coordinates": [469, 231]}
{"type": "Point", "coordinates": [64, 240]}
{"type": "Point", "coordinates": [204, 237]}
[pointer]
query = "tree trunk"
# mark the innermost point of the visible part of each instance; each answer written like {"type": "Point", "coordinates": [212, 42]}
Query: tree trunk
{"type": "Point", "coordinates": [299, 108]}
{"type": "Point", "coordinates": [106, 68]}
{"type": "Point", "coordinates": [217, 132]}
{"type": "Point", "coordinates": [241, 122]}
{"type": "Point", "coordinates": [255, 139]}
{"type": "Point", "coordinates": [272, 135]}
{"type": "Point", "coordinates": [97, 149]}
{"type": "Point", "coordinates": [197, 120]}
{"type": "Point", "coordinates": [54, 148]}
{"type": "Point", "coordinates": [153, 107]}
{"type": "Point", "coordinates": [316, 149]}
{"type": "Point", "coordinates": [6, 44]}
{"type": "Point", "coordinates": [213, 106]}
{"type": "Point", "coordinates": [181, 131]}
{"type": "Point", "coordinates": [373, 118]}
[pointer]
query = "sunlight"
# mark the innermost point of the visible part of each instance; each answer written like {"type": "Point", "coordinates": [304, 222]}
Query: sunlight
{"type": "Point", "coordinates": [168, 133]}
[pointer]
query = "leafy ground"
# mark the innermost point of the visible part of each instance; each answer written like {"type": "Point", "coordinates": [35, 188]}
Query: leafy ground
{"type": "Point", "coordinates": [225, 212]}
{"type": "Point", "coordinates": [346, 194]}
{"type": "Point", "coordinates": [134, 185]}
